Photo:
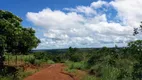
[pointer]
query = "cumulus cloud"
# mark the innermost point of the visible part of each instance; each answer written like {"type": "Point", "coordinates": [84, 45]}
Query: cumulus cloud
{"type": "Point", "coordinates": [129, 11]}
{"type": "Point", "coordinates": [88, 10]}
{"type": "Point", "coordinates": [76, 28]}
{"type": "Point", "coordinates": [82, 9]}
{"type": "Point", "coordinates": [98, 4]}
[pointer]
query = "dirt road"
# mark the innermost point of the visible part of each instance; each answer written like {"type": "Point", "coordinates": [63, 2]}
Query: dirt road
{"type": "Point", "coordinates": [53, 72]}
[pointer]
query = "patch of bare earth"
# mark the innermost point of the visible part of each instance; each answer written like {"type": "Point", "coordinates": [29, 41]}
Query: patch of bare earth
{"type": "Point", "coordinates": [53, 72]}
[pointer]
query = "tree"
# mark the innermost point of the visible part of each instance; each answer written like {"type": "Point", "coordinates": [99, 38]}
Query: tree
{"type": "Point", "coordinates": [135, 50]}
{"type": "Point", "coordinates": [137, 30]}
{"type": "Point", "coordinates": [13, 37]}
{"type": "Point", "coordinates": [2, 46]}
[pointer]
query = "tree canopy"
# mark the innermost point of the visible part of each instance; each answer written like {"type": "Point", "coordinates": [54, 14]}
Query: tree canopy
{"type": "Point", "coordinates": [14, 38]}
{"type": "Point", "coordinates": [137, 30]}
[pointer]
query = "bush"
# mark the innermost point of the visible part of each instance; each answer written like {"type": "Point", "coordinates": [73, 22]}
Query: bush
{"type": "Point", "coordinates": [76, 65]}
{"type": "Point", "coordinates": [110, 73]}
{"type": "Point", "coordinates": [50, 62]}
{"type": "Point", "coordinates": [38, 62]}
{"type": "Point", "coordinates": [6, 78]}
{"type": "Point", "coordinates": [40, 55]}
{"type": "Point", "coordinates": [90, 77]}
{"type": "Point", "coordinates": [31, 61]}
{"type": "Point", "coordinates": [70, 70]}
{"type": "Point", "coordinates": [23, 74]}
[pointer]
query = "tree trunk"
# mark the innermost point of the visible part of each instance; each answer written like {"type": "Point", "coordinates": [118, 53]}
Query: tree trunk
{"type": "Point", "coordinates": [16, 60]}
{"type": "Point", "coordinates": [1, 58]}
{"type": "Point", "coordinates": [8, 59]}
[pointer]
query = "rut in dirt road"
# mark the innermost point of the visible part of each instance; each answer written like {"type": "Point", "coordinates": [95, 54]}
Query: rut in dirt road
{"type": "Point", "coordinates": [53, 72]}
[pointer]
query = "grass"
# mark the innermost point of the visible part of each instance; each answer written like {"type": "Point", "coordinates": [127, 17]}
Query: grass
{"type": "Point", "coordinates": [90, 77]}
{"type": "Point", "coordinates": [16, 73]}
{"type": "Point", "coordinates": [70, 70]}
{"type": "Point", "coordinates": [20, 76]}
{"type": "Point", "coordinates": [76, 65]}
{"type": "Point", "coordinates": [50, 62]}
{"type": "Point", "coordinates": [6, 78]}
{"type": "Point", "coordinates": [24, 74]}
{"type": "Point", "coordinates": [21, 59]}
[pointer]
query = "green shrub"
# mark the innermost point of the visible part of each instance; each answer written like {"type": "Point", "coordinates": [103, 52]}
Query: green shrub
{"type": "Point", "coordinates": [50, 62]}
{"type": "Point", "coordinates": [19, 57]}
{"type": "Point", "coordinates": [76, 65]}
{"type": "Point", "coordinates": [79, 65]}
{"type": "Point", "coordinates": [41, 55]}
{"type": "Point", "coordinates": [31, 61]}
{"type": "Point", "coordinates": [110, 73]}
{"type": "Point", "coordinates": [70, 70]}
{"type": "Point", "coordinates": [10, 73]}
{"type": "Point", "coordinates": [38, 62]}
{"type": "Point", "coordinates": [6, 78]}
{"type": "Point", "coordinates": [90, 77]}
{"type": "Point", "coordinates": [22, 74]}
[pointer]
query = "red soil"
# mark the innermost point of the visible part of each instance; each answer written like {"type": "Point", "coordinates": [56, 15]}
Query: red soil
{"type": "Point", "coordinates": [53, 72]}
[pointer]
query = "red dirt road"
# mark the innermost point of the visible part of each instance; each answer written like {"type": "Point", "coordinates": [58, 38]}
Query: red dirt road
{"type": "Point", "coordinates": [53, 72]}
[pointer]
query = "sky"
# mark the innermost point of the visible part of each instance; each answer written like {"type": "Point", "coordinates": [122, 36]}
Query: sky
{"type": "Point", "coordinates": [79, 23]}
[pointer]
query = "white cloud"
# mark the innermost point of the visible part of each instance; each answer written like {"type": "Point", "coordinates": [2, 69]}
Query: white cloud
{"type": "Point", "coordinates": [72, 28]}
{"type": "Point", "coordinates": [98, 4]}
{"type": "Point", "coordinates": [55, 19]}
{"type": "Point", "coordinates": [88, 10]}
{"type": "Point", "coordinates": [82, 9]}
{"type": "Point", "coordinates": [129, 11]}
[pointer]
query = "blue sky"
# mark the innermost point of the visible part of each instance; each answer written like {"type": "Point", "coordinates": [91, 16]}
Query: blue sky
{"type": "Point", "coordinates": [20, 8]}
{"type": "Point", "coordinates": [76, 23]}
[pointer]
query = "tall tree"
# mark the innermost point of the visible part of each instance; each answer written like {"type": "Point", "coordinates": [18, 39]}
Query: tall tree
{"type": "Point", "coordinates": [2, 47]}
{"type": "Point", "coordinates": [137, 30]}
{"type": "Point", "coordinates": [13, 37]}
{"type": "Point", "coordinates": [136, 50]}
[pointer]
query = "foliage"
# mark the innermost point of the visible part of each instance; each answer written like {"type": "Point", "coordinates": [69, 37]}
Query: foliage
{"type": "Point", "coordinates": [18, 73]}
{"type": "Point", "coordinates": [50, 62]}
{"type": "Point", "coordinates": [40, 55]}
{"type": "Point", "coordinates": [13, 37]}
{"type": "Point", "coordinates": [17, 38]}
{"type": "Point", "coordinates": [69, 70]}
{"type": "Point", "coordinates": [103, 64]}
{"type": "Point", "coordinates": [76, 65]}
{"type": "Point", "coordinates": [137, 30]}
{"type": "Point", "coordinates": [90, 77]}
{"type": "Point", "coordinates": [136, 50]}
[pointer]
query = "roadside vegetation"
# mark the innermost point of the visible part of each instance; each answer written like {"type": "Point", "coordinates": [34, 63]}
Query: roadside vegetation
{"type": "Point", "coordinates": [17, 62]}
{"type": "Point", "coordinates": [99, 64]}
